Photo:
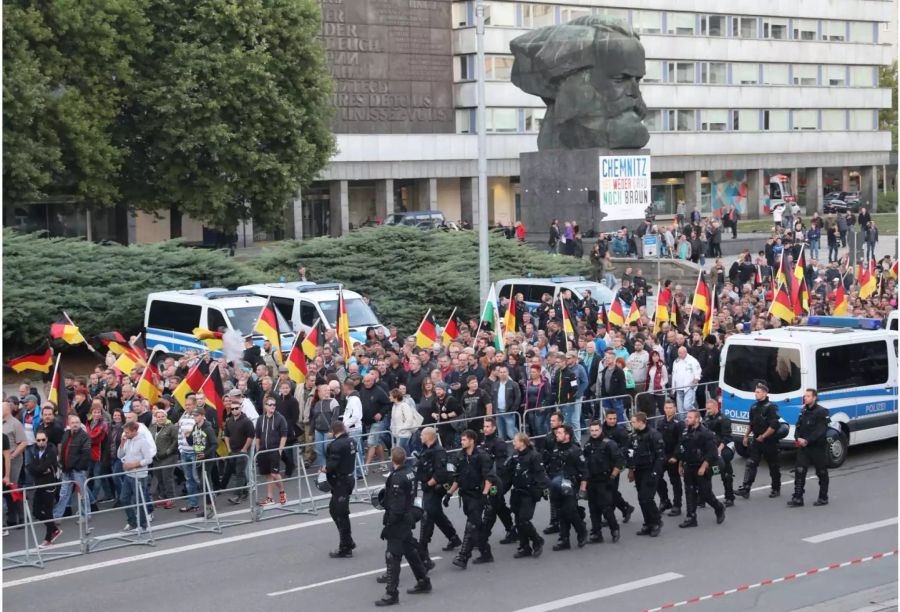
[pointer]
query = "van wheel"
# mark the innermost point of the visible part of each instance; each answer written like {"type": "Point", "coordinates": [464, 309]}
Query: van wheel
{"type": "Point", "coordinates": [837, 444]}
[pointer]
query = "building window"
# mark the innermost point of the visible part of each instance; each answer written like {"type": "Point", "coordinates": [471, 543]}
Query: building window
{"type": "Point", "coordinates": [745, 120]}
{"type": "Point", "coordinates": [681, 24]}
{"type": "Point", "coordinates": [806, 29]}
{"type": "Point", "coordinates": [775, 121]}
{"type": "Point", "coordinates": [775, 28]}
{"type": "Point", "coordinates": [461, 70]}
{"type": "Point", "coordinates": [834, 120]}
{"type": "Point", "coordinates": [681, 121]}
{"type": "Point", "coordinates": [806, 74]}
{"type": "Point", "coordinates": [654, 71]}
{"type": "Point", "coordinates": [681, 72]}
{"type": "Point", "coordinates": [498, 67]}
{"type": "Point", "coordinates": [806, 120]}
{"type": "Point", "coordinates": [533, 119]}
{"type": "Point", "coordinates": [835, 76]}
{"type": "Point", "coordinates": [744, 74]}
{"type": "Point", "coordinates": [460, 13]}
{"type": "Point", "coordinates": [862, 32]}
{"type": "Point", "coordinates": [862, 76]}
{"type": "Point", "coordinates": [744, 27]}
{"type": "Point", "coordinates": [776, 74]}
{"type": "Point", "coordinates": [712, 25]}
{"type": "Point", "coordinates": [615, 14]}
{"type": "Point", "coordinates": [647, 22]}
{"type": "Point", "coordinates": [834, 30]}
{"type": "Point", "coordinates": [538, 15]}
{"type": "Point", "coordinates": [653, 121]}
{"type": "Point", "coordinates": [568, 13]}
{"type": "Point", "coordinates": [500, 14]}
{"type": "Point", "coordinates": [862, 120]}
{"type": "Point", "coordinates": [465, 121]}
{"type": "Point", "coordinates": [713, 120]}
{"type": "Point", "coordinates": [714, 73]}
{"type": "Point", "coordinates": [505, 120]}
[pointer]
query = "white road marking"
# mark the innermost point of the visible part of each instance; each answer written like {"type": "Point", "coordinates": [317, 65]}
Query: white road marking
{"type": "Point", "coordinates": [177, 550]}
{"type": "Point", "coordinates": [840, 533]}
{"type": "Point", "coordinates": [333, 580]}
{"type": "Point", "coordinates": [607, 592]}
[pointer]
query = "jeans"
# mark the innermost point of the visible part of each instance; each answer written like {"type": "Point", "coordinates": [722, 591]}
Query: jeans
{"type": "Point", "coordinates": [379, 433]}
{"type": "Point", "coordinates": [538, 422]}
{"type": "Point", "coordinates": [357, 436]}
{"type": "Point", "coordinates": [685, 399]}
{"type": "Point", "coordinates": [507, 426]}
{"type": "Point", "coordinates": [321, 445]}
{"type": "Point", "coordinates": [66, 489]}
{"type": "Point", "coordinates": [191, 483]}
{"type": "Point", "coordinates": [105, 483]}
{"type": "Point", "coordinates": [26, 477]}
{"type": "Point", "coordinates": [568, 412]}
{"type": "Point", "coordinates": [131, 499]}
{"type": "Point", "coordinates": [610, 279]}
{"type": "Point", "coordinates": [814, 249]}
{"type": "Point", "coordinates": [832, 252]}
{"type": "Point", "coordinates": [870, 251]}
{"type": "Point", "coordinates": [618, 405]}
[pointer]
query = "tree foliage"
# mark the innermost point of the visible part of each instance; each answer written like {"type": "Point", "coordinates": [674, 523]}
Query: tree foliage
{"type": "Point", "coordinates": [887, 117]}
{"type": "Point", "coordinates": [220, 108]}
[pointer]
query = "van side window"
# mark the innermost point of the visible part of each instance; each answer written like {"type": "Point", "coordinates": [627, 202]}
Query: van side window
{"type": "Point", "coordinates": [285, 307]}
{"type": "Point", "coordinates": [855, 365]}
{"type": "Point", "coordinates": [504, 291]}
{"type": "Point", "coordinates": [172, 316]}
{"type": "Point", "coordinates": [308, 313]}
{"type": "Point", "coordinates": [215, 320]}
{"type": "Point", "coordinates": [533, 293]}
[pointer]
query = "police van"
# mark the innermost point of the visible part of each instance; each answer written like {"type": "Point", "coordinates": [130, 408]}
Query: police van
{"type": "Point", "coordinates": [852, 363]}
{"type": "Point", "coordinates": [301, 303]}
{"type": "Point", "coordinates": [532, 289]}
{"type": "Point", "coordinates": [170, 318]}
{"type": "Point", "coordinates": [891, 322]}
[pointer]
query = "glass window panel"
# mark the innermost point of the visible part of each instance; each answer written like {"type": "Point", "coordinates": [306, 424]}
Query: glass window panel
{"type": "Point", "coordinates": [775, 74]}
{"type": "Point", "coordinates": [461, 68]}
{"type": "Point", "coordinates": [806, 74]}
{"type": "Point", "coordinates": [682, 24]}
{"type": "Point", "coordinates": [568, 13]}
{"type": "Point", "coordinates": [806, 120]}
{"type": "Point", "coordinates": [498, 67]}
{"type": "Point", "coordinates": [862, 76]}
{"type": "Point", "coordinates": [775, 28]}
{"type": "Point", "coordinates": [862, 32]}
{"type": "Point", "coordinates": [744, 27]}
{"type": "Point", "coordinates": [861, 120]}
{"type": "Point", "coordinates": [834, 120]}
{"type": "Point", "coordinates": [744, 74]}
{"type": "Point", "coordinates": [533, 118]}
{"type": "Point", "coordinates": [464, 122]}
{"type": "Point", "coordinates": [714, 73]}
{"type": "Point", "coordinates": [460, 14]}
{"type": "Point", "coordinates": [653, 121]}
{"type": "Point", "coordinates": [806, 29]}
{"type": "Point", "coordinates": [538, 15]}
{"type": "Point", "coordinates": [616, 14]}
{"type": "Point", "coordinates": [835, 76]}
{"type": "Point", "coordinates": [714, 120]}
{"type": "Point", "coordinates": [834, 30]}
{"type": "Point", "coordinates": [775, 120]}
{"type": "Point", "coordinates": [685, 121]}
{"type": "Point", "coordinates": [500, 13]}
{"type": "Point", "coordinates": [712, 25]}
{"type": "Point", "coordinates": [647, 22]}
{"type": "Point", "coordinates": [654, 71]}
{"type": "Point", "coordinates": [681, 72]}
{"type": "Point", "coordinates": [745, 120]}
{"type": "Point", "coordinates": [502, 120]}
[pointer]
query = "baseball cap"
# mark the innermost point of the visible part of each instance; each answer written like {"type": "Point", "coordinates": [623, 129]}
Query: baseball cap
{"type": "Point", "coordinates": [30, 398]}
{"type": "Point", "coordinates": [234, 393]}
{"type": "Point", "coordinates": [283, 369]}
{"type": "Point", "coordinates": [197, 411]}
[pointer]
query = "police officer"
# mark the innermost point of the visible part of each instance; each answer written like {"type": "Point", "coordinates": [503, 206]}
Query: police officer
{"type": "Point", "coordinates": [473, 481]}
{"type": "Point", "coordinates": [604, 461]}
{"type": "Point", "coordinates": [809, 438]}
{"type": "Point", "coordinates": [720, 426]}
{"type": "Point", "coordinates": [494, 446]}
{"type": "Point", "coordinates": [399, 520]}
{"type": "Point", "coordinates": [529, 485]}
{"type": "Point", "coordinates": [567, 485]}
{"type": "Point", "coordinates": [763, 426]}
{"type": "Point", "coordinates": [615, 431]}
{"type": "Point", "coordinates": [549, 444]}
{"type": "Point", "coordinates": [431, 470]}
{"type": "Point", "coordinates": [646, 457]}
{"type": "Point", "coordinates": [697, 454]}
{"type": "Point", "coordinates": [670, 427]}
{"type": "Point", "coordinates": [340, 461]}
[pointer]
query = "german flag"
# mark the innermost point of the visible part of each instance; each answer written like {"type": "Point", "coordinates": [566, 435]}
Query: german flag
{"type": "Point", "coordinates": [39, 361]}
{"type": "Point", "coordinates": [781, 306]}
{"type": "Point", "coordinates": [780, 278]}
{"type": "Point", "coordinates": [757, 281]}
{"type": "Point", "coordinates": [707, 325]}
{"type": "Point", "coordinates": [799, 290]}
{"type": "Point", "coordinates": [58, 395]}
{"type": "Point", "coordinates": [616, 316]}
{"type": "Point", "coordinates": [115, 342]}
{"type": "Point", "coordinates": [511, 316]}
{"type": "Point", "coordinates": [451, 330]}
{"type": "Point", "coordinates": [676, 316]}
{"type": "Point", "coordinates": [313, 340]}
{"type": "Point", "coordinates": [568, 328]}
{"type": "Point", "coordinates": [664, 296]}
{"type": "Point", "coordinates": [603, 317]}
{"type": "Point", "coordinates": [634, 314]}
{"type": "Point", "coordinates": [296, 362]}
{"type": "Point", "coordinates": [214, 392]}
{"type": "Point", "coordinates": [343, 327]}
{"type": "Point", "coordinates": [867, 282]}
{"type": "Point", "coordinates": [192, 382]}
{"type": "Point", "coordinates": [894, 269]}
{"type": "Point", "coordinates": [701, 296]}
{"type": "Point", "coordinates": [127, 361]}
{"type": "Point", "coordinates": [148, 384]}
{"type": "Point", "coordinates": [212, 339]}
{"type": "Point", "coordinates": [267, 325]}
{"type": "Point", "coordinates": [840, 301]}
{"type": "Point", "coordinates": [66, 331]}
{"type": "Point", "coordinates": [426, 335]}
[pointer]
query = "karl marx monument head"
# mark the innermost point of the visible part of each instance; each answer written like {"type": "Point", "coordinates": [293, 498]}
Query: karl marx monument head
{"type": "Point", "coordinates": [587, 72]}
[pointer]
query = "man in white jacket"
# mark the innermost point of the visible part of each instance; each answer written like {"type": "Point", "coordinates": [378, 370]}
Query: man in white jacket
{"type": "Point", "coordinates": [136, 452]}
{"type": "Point", "coordinates": [686, 373]}
{"type": "Point", "coordinates": [352, 419]}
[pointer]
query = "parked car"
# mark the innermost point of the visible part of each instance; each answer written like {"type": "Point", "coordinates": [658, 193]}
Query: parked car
{"type": "Point", "coordinates": [841, 201]}
{"type": "Point", "coordinates": [422, 219]}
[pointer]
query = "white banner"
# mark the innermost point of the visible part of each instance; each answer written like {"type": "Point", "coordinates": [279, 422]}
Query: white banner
{"type": "Point", "coordinates": [624, 186]}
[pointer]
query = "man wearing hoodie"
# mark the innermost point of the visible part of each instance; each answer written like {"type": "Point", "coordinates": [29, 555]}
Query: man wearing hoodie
{"type": "Point", "coordinates": [74, 460]}
{"type": "Point", "coordinates": [136, 453]}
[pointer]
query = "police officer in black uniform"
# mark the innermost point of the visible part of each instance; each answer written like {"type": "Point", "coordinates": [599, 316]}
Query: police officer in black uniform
{"type": "Point", "coordinates": [494, 446]}
{"type": "Point", "coordinates": [529, 485]}
{"type": "Point", "coordinates": [615, 431]}
{"type": "Point", "coordinates": [604, 461]}
{"type": "Point", "coordinates": [549, 443]}
{"type": "Point", "coordinates": [567, 485]}
{"type": "Point", "coordinates": [400, 515]}
{"type": "Point", "coordinates": [763, 426]}
{"type": "Point", "coordinates": [671, 428]}
{"type": "Point", "coordinates": [431, 470]}
{"type": "Point", "coordinates": [340, 461]}
{"type": "Point", "coordinates": [474, 474]}
{"type": "Point", "coordinates": [720, 426]}
{"type": "Point", "coordinates": [698, 454]}
{"type": "Point", "coordinates": [812, 448]}
{"type": "Point", "coordinates": [646, 457]}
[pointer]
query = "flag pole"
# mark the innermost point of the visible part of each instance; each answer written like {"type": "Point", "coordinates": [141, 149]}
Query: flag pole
{"type": "Point", "coordinates": [700, 276]}
{"type": "Point", "coordinates": [72, 323]}
{"type": "Point", "coordinates": [480, 319]}
{"type": "Point", "coordinates": [52, 378]}
{"type": "Point", "coordinates": [147, 367]}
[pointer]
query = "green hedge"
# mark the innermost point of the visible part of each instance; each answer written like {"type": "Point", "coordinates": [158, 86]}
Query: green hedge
{"type": "Point", "coordinates": [104, 287]}
{"type": "Point", "coordinates": [887, 202]}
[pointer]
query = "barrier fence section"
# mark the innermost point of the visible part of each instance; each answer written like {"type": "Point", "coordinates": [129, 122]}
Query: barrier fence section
{"type": "Point", "coordinates": [41, 500]}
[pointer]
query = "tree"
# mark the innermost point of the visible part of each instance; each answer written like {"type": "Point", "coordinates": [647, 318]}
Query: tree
{"type": "Point", "coordinates": [887, 117]}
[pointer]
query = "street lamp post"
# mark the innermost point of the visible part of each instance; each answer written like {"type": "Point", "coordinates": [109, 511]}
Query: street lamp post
{"type": "Point", "coordinates": [484, 278]}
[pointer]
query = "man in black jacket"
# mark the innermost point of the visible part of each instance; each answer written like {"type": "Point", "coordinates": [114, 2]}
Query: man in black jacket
{"type": "Point", "coordinates": [697, 455]}
{"type": "Point", "coordinates": [720, 426]}
{"type": "Point", "coordinates": [570, 480]}
{"type": "Point", "coordinates": [340, 461]}
{"type": "Point", "coordinates": [604, 461]}
{"type": "Point", "coordinates": [473, 481]}
{"type": "Point", "coordinates": [612, 385]}
{"type": "Point", "coordinates": [811, 443]}
{"type": "Point", "coordinates": [431, 470]}
{"type": "Point", "coordinates": [529, 485]}
{"type": "Point", "coordinates": [376, 410]}
{"type": "Point", "coordinates": [499, 452]}
{"type": "Point", "coordinates": [763, 425]}
{"type": "Point", "coordinates": [671, 428]}
{"type": "Point", "coordinates": [647, 454]}
{"type": "Point", "coordinates": [43, 468]}
{"type": "Point", "coordinates": [74, 460]}
{"type": "Point", "coordinates": [615, 431]}
{"type": "Point", "coordinates": [710, 371]}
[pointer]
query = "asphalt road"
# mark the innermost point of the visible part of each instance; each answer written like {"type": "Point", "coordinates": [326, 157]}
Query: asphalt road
{"type": "Point", "coordinates": [282, 563]}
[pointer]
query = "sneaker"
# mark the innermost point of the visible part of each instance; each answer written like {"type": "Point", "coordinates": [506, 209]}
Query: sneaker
{"type": "Point", "coordinates": [820, 502]}
{"type": "Point", "coordinates": [150, 518]}
{"type": "Point", "coordinates": [282, 497]}
{"type": "Point", "coordinates": [522, 553]}
{"type": "Point", "coordinates": [129, 528]}
{"type": "Point", "coordinates": [168, 505]}
{"type": "Point", "coordinates": [675, 511]}
{"type": "Point", "coordinates": [53, 536]}
{"type": "Point", "coordinates": [5, 532]}
{"type": "Point", "coordinates": [45, 544]}
{"type": "Point", "coordinates": [189, 509]}
{"type": "Point", "coordinates": [551, 529]}
{"type": "Point", "coordinates": [626, 516]}
{"type": "Point", "coordinates": [266, 502]}
{"type": "Point", "coordinates": [385, 470]}
{"type": "Point", "coordinates": [775, 493]}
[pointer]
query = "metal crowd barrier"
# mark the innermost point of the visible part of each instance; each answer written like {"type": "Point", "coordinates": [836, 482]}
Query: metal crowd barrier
{"type": "Point", "coordinates": [32, 555]}
{"type": "Point", "coordinates": [654, 397]}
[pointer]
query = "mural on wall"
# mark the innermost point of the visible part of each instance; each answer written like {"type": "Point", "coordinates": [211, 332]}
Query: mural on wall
{"type": "Point", "coordinates": [728, 188]}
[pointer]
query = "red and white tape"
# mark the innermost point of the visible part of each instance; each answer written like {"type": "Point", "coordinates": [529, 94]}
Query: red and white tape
{"type": "Point", "coordinates": [772, 581]}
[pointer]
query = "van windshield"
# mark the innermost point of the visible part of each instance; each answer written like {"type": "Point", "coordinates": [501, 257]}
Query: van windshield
{"type": "Point", "coordinates": [358, 312]}
{"type": "Point", "coordinates": [243, 319]}
{"type": "Point", "coordinates": [778, 366]}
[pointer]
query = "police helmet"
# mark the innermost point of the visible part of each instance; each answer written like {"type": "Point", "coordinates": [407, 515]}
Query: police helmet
{"type": "Point", "coordinates": [322, 483]}
{"type": "Point", "coordinates": [378, 499]}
